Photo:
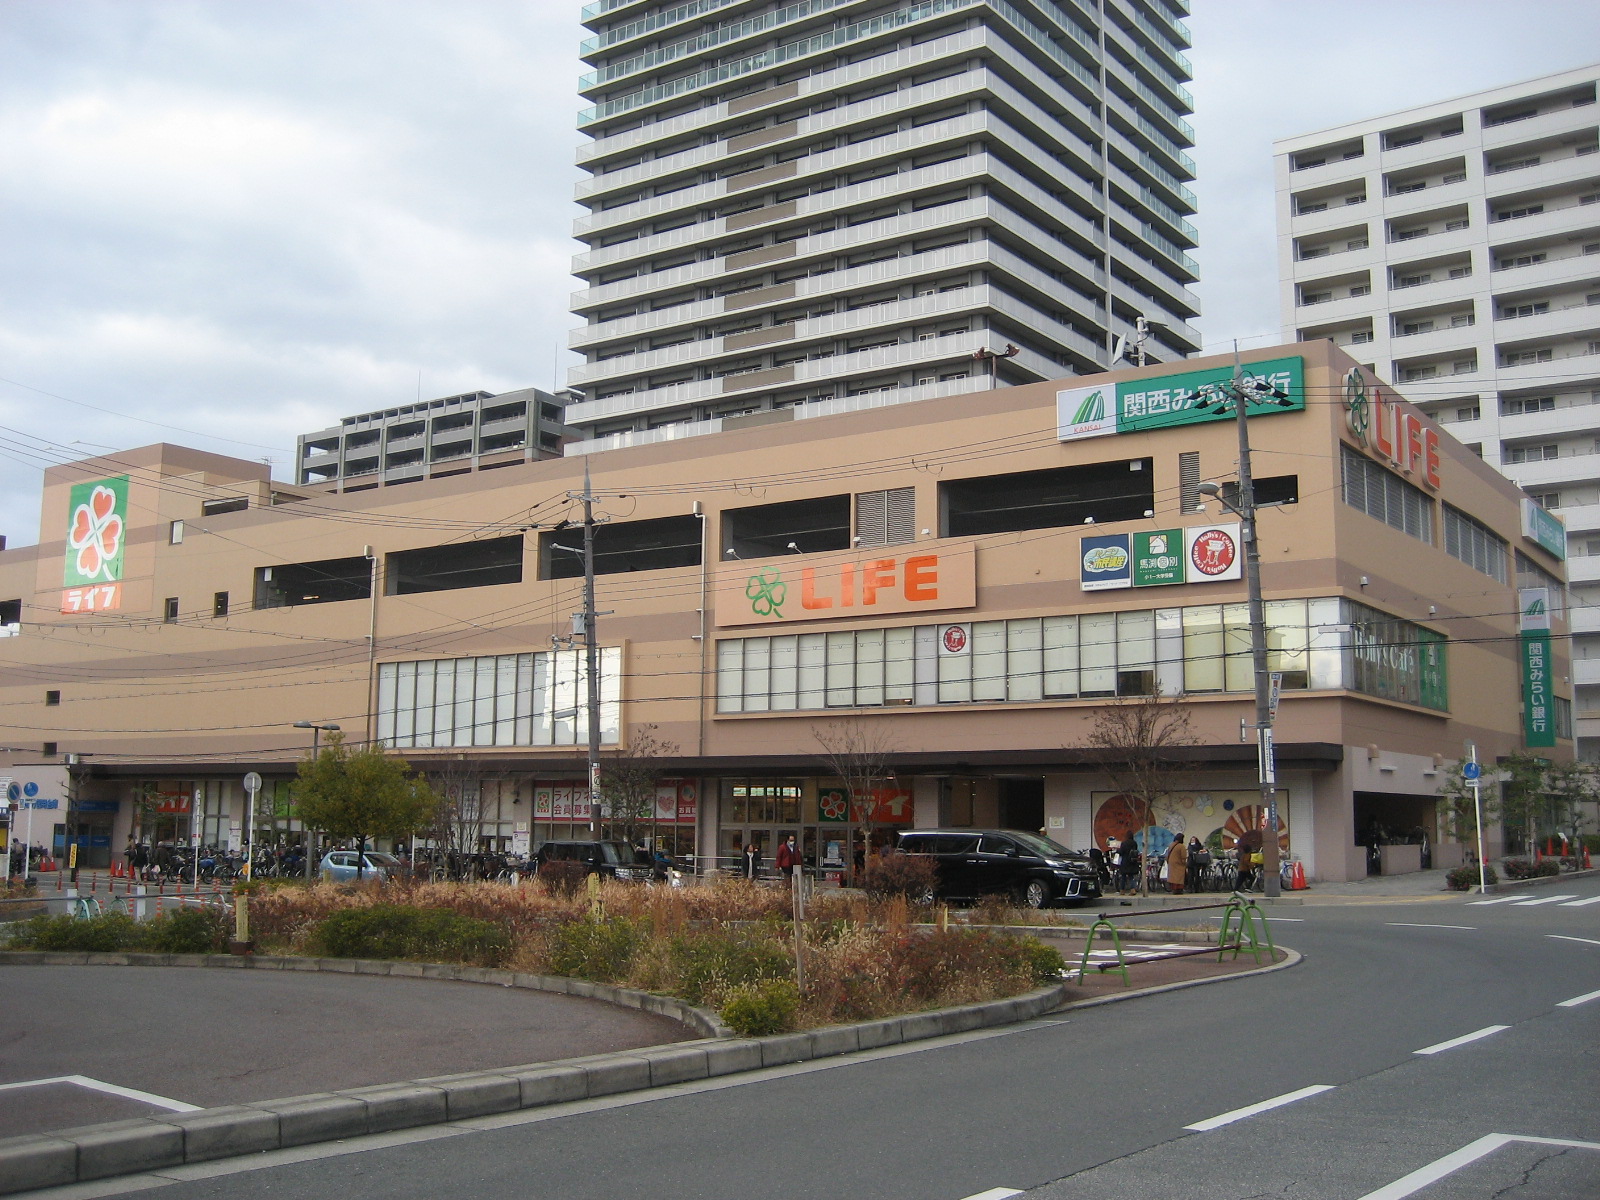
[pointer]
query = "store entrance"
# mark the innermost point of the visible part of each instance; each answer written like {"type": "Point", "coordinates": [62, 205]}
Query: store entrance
{"type": "Point", "coordinates": [1022, 804]}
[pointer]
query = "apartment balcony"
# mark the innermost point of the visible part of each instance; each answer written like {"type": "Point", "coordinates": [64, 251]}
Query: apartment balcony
{"type": "Point", "coordinates": [1558, 422]}
{"type": "Point", "coordinates": [1573, 217]}
{"type": "Point", "coordinates": [1585, 671]}
{"type": "Point", "coordinates": [1562, 173]}
{"type": "Point", "coordinates": [1545, 474]}
{"type": "Point", "coordinates": [643, 437]}
{"type": "Point", "coordinates": [1335, 170]}
{"type": "Point", "coordinates": [1578, 518]}
{"type": "Point", "coordinates": [1447, 341]}
{"type": "Point", "coordinates": [1578, 321]}
{"type": "Point", "coordinates": [1337, 215]}
{"type": "Point", "coordinates": [1440, 242]}
{"type": "Point", "coordinates": [1585, 620]}
{"type": "Point", "coordinates": [1550, 124]}
{"type": "Point", "coordinates": [1431, 150]}
{"type": "Point", "coordinates": [1435, 195]}
{"type": "Point", "coordinates": [1554, 273]}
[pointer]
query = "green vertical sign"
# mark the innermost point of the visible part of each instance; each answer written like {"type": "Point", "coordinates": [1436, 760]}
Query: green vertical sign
{"type": "Point", "coordinates": [1158, 557]}
{"type": "Point", "coordinates": [1538, 704]}
{"type": "Point", "coordinates": [97, 524]}
{"type": "Point", "coordinates": [1434, 671]}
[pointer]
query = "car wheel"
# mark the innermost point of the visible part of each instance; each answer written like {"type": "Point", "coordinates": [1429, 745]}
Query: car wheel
{"type": "Point", "coordinates": [1035, 893]}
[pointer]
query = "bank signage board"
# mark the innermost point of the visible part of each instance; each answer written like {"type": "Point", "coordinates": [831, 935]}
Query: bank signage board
{"type": "Point", "coordinates": [1538, 703]}
{"type": "Point", "coordinates": [1137, 405]}
{"type": "Point", "coordinates": [1160, 557]}
{"type": "Point", "coordinates": [822, 587]}
{"type": "Point", "coordinates": [96, 535]}
{"type": "Point", "coordinates": [1543, 529]}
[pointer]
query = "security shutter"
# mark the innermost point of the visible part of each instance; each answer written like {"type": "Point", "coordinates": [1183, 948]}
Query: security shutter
{"type": "Point", "coordinates": [886, 518]}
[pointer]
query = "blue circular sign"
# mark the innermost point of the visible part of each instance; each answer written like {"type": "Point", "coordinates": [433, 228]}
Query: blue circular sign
{"type": "Point", "coordinates": [30, 789]}
{"type": "Point", "coordinates": [1471, 770]}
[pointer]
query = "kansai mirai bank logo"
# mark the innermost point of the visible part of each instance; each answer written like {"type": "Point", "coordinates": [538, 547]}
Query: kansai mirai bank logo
{"type": "Point", "coordinates": [97, 529]}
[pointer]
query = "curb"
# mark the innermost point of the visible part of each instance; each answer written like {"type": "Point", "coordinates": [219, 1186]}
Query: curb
{"type": "Point", "coordinates": [153, 1143]}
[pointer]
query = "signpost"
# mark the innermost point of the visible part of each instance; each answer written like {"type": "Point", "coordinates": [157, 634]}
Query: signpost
{"type": "Point", "coordinates": [252, 785]}
{"type": "Point", "coordinates": [1473, 774]}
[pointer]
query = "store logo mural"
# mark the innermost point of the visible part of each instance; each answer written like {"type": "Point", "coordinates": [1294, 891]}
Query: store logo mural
{"type": "Point", "coordinates": [766, 590]}
{"type": "Point", "coordinates": [820, 587]}
{"type": "Point", "coordinates": [1387, 429]}
{"type": "Point", "coordinates": [97, 526]}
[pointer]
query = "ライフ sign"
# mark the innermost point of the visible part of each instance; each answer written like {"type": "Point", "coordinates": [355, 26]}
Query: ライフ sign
{"type": "Point", "coordinates": [97, 530]}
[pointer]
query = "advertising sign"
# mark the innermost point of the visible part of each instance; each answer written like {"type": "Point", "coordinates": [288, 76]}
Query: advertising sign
{"type": "Point", "coordinates": [885, 806]}
{"type": "Point", "coordinates": [820, 587]}
{"type": "Point", "coordinates": [1538, 705]}
{"type": "Point", "coordinates": [1134, 406]}
{"type": "Point", "coordinates": [1105, 562]}
{"type": "Point", "coordinates": [1389, 430]}
{"type": "Point", "coordinates": [1213, 552]}
{"type": "Point", "coordinates": [97, 527]}
{"type": "Point", "coordinates": [954, 639]}
{"type": "Point", "coordinates": [1158, 557]}
{"type": "Point", "coordinates": [1543, 529]}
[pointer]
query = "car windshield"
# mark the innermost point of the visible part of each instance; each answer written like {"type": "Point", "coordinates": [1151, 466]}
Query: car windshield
{"type": "Point", "coordinates": [618, 852]}
{"type": "Point", "coordinates": [382, 860]}
{"type": "Point", "coordinates": [1041, 846]}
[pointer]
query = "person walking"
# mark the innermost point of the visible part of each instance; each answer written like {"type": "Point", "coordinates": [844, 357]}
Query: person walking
{"type": "Point", "coordinates": [752, 860]}
{"type": "Point", "coordinates": [1128, 869]}
{"type": "Point", "coordinates": [788, 856]}
{"type": "Point", "coordinates": [1199, 860]}
{"type": "Point", "coordinates": [1177, 866]}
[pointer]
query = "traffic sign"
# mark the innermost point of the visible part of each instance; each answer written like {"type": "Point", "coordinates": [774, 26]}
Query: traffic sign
{"type": "Point", "coordinates": [1470, 771]}
{"type": "Point", "coordinates": [252, 782]}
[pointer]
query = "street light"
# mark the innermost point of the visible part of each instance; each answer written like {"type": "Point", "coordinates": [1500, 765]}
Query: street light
{"type": "Point", "coordinates": [1240, 392]}
{"type": "Point", "coordinates": [316, 749]}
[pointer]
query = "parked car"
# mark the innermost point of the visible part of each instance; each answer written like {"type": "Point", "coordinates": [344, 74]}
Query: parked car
{"type": "Point", "coordinates": [979, 862]}
{"type": "Point", "coordinates": [616, 859]}
{"type": "Point", "coordinates": [340, 865]}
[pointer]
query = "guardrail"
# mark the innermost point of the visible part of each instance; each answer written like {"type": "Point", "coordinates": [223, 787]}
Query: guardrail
{"type": "Point", "coordinates": [1250, 933]}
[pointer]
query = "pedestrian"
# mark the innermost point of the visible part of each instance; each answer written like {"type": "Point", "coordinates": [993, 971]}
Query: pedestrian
{"type": "Point", "coordinates": [1199, 860]}
{"type": "Point", "coordinates": [788, 856]}
{"type": "Point", "coordinates": [1177, 866]}
{"type": "Point", "coordinates": [1128, 872]}
{"type": "Point", "coordinates": [752, 860]}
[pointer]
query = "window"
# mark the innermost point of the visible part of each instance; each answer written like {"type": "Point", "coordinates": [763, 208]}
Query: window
{"type": "Point", "coordinates": [1519, 260]}
{"type": "Point", "coordinates": [1474, 543]}
{"type": "Point", "coordinates": [219, 604]}
{"type": "Point", "coordinates": [1315, 297]}
{"type": "Point", "coordinates": [1523, 358]}
{"type": "Point", "coordinates": [623, 546]}
{"type": "Point", "coordinates": [1453, 225]}
{"type": "Point", "coordinates": [1470, 412]}
{"type": "Point", "coordinates": [1360, 337]}
{"type": "Point", "coordinates": [1411, 328]}
{"type": "Point", "coordinates": [169, 609]}
{"type": "Point", "coordinates": [10, 617]}
{"type": "Point", "coordinates": [1413, 185]}
{"type": "Point", "coordinates": [1381, 494]}
{"type": "Point", "coordinates": [1121, 490]}
{"type": "Point", "coordinates": [1361, 289]}
{"type": "Point", "coordinates": [1312, 206]}
{"type": "Point", "coordinates": [1545, 500]}
{"type": "Point", "coordinates": [48, 749]}
{"type": "Point", "coordinates": [1406, 281]}
{"type": "Point", "coordinates": [323, 582]}
{"type": "Point", "coordinates": [1460, 272]}
{"type": "Point", "coordinates": [456, 565]}
{"type": "Point", "coordinates": [1548, 452]}
{"type": "Point", "coordinates": [887, 517]}
{"type": "Point", "coordinates": [212, 508]}
{"type": "Point", "coordinates": [1514, 214]}
{"type": "Point", "coordinates": [1356, 244]}
{"type": "Point", "coordinates": [175, 533]}
{"type": "Point", "coordinates": [52, 699]}
{"type": "Point", "coordinates": [1527, 404]}
{"type": "Point", "coordinates": [1532, 309]}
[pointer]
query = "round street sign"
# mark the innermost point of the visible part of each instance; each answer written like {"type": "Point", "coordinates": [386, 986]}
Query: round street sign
{"type": "Point", "coordinates": [1471, 770]}
{"type": "Point", "coordinates": [252, 782]}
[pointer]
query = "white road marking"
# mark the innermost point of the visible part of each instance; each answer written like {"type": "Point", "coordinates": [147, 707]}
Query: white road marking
{"type": "Point", "coordinates": [993, 1194]}
{"type": "Point", "coordinates": [1500, 900]}
{"type": "Point", "coordinates": [1546, 900]}
{"type": "Point", "coordinates": [1577, 1000]}
{"type": "Point", "coordinates": [1440, 1167]}
{"type": "Point", "coordinates": [110, 1089]}
{"type": "Point", "coordinates": [1239, 1114]}
{"type": "Point", "coordinates": [1296, 920]}
{"type": "Point", "coordinates": [1565, 938]}
{"type": "Point", "coordinates": [1581, 903]}
{"type": "Point", "coordinates": [1462, 1040]}
{"type": "Point", "coordinates": [1420, 925]}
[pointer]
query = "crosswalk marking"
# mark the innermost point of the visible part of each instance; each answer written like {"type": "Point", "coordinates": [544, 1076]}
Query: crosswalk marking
{"type": "Point", "coordinates": [1565, 900]}
{"type": "Point", "coordinates": [1582, 903]}
{"type": "Point", "coordinates": [1546, 900]}
{"type": "Point", "coordinates": [1497, 900]}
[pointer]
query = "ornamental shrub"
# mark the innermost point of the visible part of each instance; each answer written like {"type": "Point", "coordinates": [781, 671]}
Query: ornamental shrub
{"type": "Point", "coordinates": [1523, 868]}
{"type": "Point", "coordinates": [562, 876]}
{"type": "Point", "coordinates": [714, 963]}
{"type": "Point", "coordinates": [104, 934]}
{"type": "Point", "coordinates": [1462, 878]}
{"type": "Point", "coordinates": [202, 930]}
{"type": "Point", "coordinates": [599, 950]}
{"type": "Point", "coordinates": [762, 1009]}
{"type": "Point", "coordinates": [399, 931]}
{"type": "Point", "coordinates": [910, 875]}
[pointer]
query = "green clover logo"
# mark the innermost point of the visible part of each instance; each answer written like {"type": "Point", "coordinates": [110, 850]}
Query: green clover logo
{"type": "Point", "coordinates": [1358, 410]}
{"type": "Point", "coordinates": [766, 590]}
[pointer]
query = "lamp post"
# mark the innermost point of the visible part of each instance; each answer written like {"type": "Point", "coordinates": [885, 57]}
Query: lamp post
{"type": "Point", "coordinates": [1239, 392]}
{"type": "Point", "coordinates": [316, 749]}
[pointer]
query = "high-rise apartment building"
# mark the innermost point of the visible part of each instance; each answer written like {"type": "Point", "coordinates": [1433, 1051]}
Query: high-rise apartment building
{"type": "Point", "coordinates": [1456, 248]}
{"type": "Point", "coordinates": [803, 208]}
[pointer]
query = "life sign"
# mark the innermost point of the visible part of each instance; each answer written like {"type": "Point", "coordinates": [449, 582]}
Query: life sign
{"type": "Point", "coordinates": [824, 587]}
{"type": "Point", "coordinates": [1387, 429]}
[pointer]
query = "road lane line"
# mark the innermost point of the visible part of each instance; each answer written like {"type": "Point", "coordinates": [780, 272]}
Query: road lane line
{"type": "Point", "coordinates": [110, 1089]}
{"type": "Point", "coordinates": [1239, 1114]}
{"type": "Point", "coordinates": [1439, 1168]}
{"type": "Point", "coordinates": [993, 1194]}
{"type": "Point", "coordinates": [1501, 900]}
{"type": "Point", "coordinates": [1566, 938]}
{"type": "Point", "coordinates": [1420, 925]}
{"type": "Point", "coordinates": [1581, 903]}
{"type": "Point", "coordinates": [1214, 917]}
{"type": "Point", "coordinates": [1577, 1000]}
{"type": "Point", "coordinates": [1546, 900]}
{"type": "Point", "coordinates": [1462, 1040]}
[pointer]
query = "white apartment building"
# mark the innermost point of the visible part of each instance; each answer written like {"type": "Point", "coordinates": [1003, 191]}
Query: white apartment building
{"type": "Point", "coordinates": [1456, 248]}
{"type": "Point", "coordinates": [803, 208]}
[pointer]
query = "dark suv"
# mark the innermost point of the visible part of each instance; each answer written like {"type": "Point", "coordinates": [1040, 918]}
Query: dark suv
{"type": "Point", "coordinates": [616, 859]}
{"type": "Point", "coordinates": [976, 862]}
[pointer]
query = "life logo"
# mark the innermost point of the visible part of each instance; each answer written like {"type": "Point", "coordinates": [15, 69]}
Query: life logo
{"type": "Point", "coordinates": [1213, 553]}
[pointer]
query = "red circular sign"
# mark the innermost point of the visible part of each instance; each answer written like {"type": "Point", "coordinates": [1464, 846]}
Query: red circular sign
{"type": "Point", "coordinates": [955, 639]}
{"type": "Point", "coordinates": [1213, 552]}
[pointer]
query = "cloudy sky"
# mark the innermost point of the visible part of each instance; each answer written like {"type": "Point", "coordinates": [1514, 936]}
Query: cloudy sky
{"type": "Point", "coordinates": [226, 222]}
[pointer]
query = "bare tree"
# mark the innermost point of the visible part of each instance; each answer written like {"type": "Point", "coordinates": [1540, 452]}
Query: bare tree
{"type": "Point", "coordinates": [459, 823]}
{"type": "Point", "coordinates": [629, 776]}
{"type": "Point", "coordinates": [858, 752]}
{"type": "Point", "coordinates": [1137, 742]}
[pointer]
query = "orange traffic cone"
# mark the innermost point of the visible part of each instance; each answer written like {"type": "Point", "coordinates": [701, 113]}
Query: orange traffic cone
{"type": "Point", "coordinates": [1297, 876]}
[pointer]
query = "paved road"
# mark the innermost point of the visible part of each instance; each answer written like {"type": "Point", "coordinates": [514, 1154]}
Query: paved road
{"type": "Point", "coordinates": [1100, 1102]}
{"type": "Point", "coordinates": [213, 1037]}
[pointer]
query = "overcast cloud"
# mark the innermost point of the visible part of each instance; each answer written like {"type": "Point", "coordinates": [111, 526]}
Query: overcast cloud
{"type": "Point", "coordinates": [226, 222]}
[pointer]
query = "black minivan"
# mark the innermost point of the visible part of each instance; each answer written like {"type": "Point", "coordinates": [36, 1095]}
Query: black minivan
{"type": "Point", "coordinates": [978, 862]}
{"type": "Point", "coordinates": [616, 859]}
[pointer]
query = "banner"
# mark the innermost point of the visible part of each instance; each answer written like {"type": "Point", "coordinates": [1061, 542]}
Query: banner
{"type": "Point", "coordinates": [1538, 706]}
{"type": "Point", "coordinates": [1133, 406]}
{"type": "Point", "coordinates": [97, 534]}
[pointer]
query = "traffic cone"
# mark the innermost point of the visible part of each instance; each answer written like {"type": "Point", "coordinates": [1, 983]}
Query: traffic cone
{"type": "Point", "coordinates": [1297, 876]}
{"type": "Point", "coordinates": [1586, 856]}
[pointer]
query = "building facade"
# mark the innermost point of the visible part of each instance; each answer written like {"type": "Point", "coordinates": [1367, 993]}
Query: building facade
{"type": "Point", "coordinates": [967, 592]}
{"type": "Point", "coordinates": [1455, 248]}
{"type": "Point", "coordinates": [835, 204]}
{"type": "Point", "coordinates": [475, 431]}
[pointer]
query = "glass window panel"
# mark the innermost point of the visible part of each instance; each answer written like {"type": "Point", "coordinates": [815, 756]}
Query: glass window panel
{"type": "Point", "coordinates": [611, 694]}
{"type": "Point", "coordinates": [841, 662]}
{"type": "Point", "coordinates": [1288, 642]}
{"type": "Point", "coordinates": [525, 709]}
{"type": "Point", "coordinates": [461, 717]}
{"type": "Point", "coordinates": [444, 702]}
{"type": "Point", "coordinates": [812, 670]}
{"type": "Point", "coordinates": [542, 702]}
{"type": "Point", "coordinates": [989, 660]}
{"type": "Point", "coordinates": [1239, 673]}
{"type": "Point", "coordinates": [422, 732]}
{"type": "Point", "coordinates": [869, 667]}
{"type": "Point", "coordinates": [1060, 655]}
{"type": "Point", "coordinates": [899, 666]}
{"type": "Point", "coordinates": [955, 676]}
{"type": "Point", "coordinates": [563, 698]}
{"type": "Point", "coordinates": [405, 704]}
{"type": "Point", "coordinates": [1136, 640]}
{"type": "Point", "coordinates": [483, 707]}
{"type": "Point", "coordinates": [757, 669]}
{"type": "Point", "coordinates": [730, 682]}
{"type": "Point", "coordinates": [386, 688]}
{"type": "Point", "coordinates": [1169, 651]}
{"type": "Point", "coordinates": [1024, 659]}
{"type": "Point", "coordinates": [785, 659]}
{"type": "Point", "coordinates": [927, 664]}
{"type": "Point", "coordinates": [505, 699]}
{"type": "Point", "coordinates": [1097, 650]}
{"type": "Point", "coordinates": [1324, 618]}
{"type": "Point", "coordinates": [1202, 648]}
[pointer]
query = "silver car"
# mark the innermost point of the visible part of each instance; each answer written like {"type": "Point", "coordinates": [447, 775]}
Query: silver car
{"type": "Point", "coordinates": [339, 866]}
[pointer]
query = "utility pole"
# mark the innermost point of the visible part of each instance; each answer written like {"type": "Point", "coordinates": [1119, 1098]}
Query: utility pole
{"type": "Point", "coordinates": [1239, 392]}
{"type": "Point", "coordinates": [586, 625]}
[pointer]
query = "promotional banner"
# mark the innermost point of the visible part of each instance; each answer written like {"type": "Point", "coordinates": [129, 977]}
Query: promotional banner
{"type": "Point", "coordinates": [1161, 557]}
{"type": "Point", "coordinates": [97, 527]}
{"type": "Point", "coordinates": [1105, 562]}
{"type": "Point", "coordinates": [1137, 405]}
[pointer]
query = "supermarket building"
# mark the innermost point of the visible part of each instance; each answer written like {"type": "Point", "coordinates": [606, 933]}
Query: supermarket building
{"type": "Point", "coordinates": [966, 580]}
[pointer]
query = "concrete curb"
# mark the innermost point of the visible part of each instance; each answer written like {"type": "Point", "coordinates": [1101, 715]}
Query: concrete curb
{"type": "Point", "coordinates": [154, 1143]}
{"type": "Point", "coordinates": [1292, 958]}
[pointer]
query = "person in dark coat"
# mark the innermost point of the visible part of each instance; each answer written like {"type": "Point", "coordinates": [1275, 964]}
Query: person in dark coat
{"type": "Point", "coordinates": [788, 856]}
{"type": "Point", "coordinates": [752, 860]}
{"type": "Point", "coordinates": [1177, 866]}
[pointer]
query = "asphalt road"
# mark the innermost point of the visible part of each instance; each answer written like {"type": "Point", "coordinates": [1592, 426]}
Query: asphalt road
{"type": "Point", "coordinates": [1138, 1099]}
{"type": "Point", "coordinates": [208, 1038]}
